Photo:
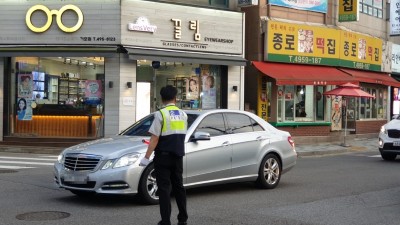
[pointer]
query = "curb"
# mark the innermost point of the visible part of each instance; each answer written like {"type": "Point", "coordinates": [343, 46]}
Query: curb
{"type": "Point", "coordinates": [317, 153]}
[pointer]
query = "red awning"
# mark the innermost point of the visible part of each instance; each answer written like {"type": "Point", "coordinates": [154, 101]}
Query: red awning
{"type": "Point", "coordinates": [296, 74]}
{"type": "Point", "coordinates": [372, 77]}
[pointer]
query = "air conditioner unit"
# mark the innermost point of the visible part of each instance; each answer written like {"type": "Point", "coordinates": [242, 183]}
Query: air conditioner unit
{"type": "Point", "coordinates": [246, 3]}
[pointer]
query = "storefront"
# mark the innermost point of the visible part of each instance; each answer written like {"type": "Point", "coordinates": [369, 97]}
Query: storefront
{"type": "Point", "coordinates": [200, 53]}
{"type": "Point", "coordinates": [79, 70]}
{"type": "Point", "coordinates": [53, 67]}
{"type": "Point", "coordinates": [304, 62]}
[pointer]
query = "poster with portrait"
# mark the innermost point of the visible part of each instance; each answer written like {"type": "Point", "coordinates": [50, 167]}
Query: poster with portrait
{"type": "Point", "coordinates": [24, 109]}
{"type": "Point", "coordinates": [209, 97]}
{"type": "Point", "coordinates": [25, 85]}
{"type": "Point", "coordinates": [396, 101]}
{"type": "Point", "coordinates": [93, 91]}
{"type": "Point", "coordinates": [192, 88]}
{"type": "Point", "coordinates": [336, 113]}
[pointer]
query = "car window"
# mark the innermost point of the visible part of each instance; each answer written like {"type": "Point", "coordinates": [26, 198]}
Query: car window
{"type": "Point", "coordinates": [256, 126]}
{"type": "Point", "coordinates": [191, 119]}
{"type": "Point", "coordinates": [213, 124]}
{"type": "Point", "coordinates": [239, 123]}
{"type": "Point", "coordinates": [140, 128]}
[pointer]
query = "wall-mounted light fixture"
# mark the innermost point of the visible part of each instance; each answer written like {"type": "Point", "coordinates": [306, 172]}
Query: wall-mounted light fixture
{"type": "Point", "coordinates": [110, 84]}
{"type": "Point", "coordinates": [235, 88]}
{"type": "Point", "coordinates": [129, 84]}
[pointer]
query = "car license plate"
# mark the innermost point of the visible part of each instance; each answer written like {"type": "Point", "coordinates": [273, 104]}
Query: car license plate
{"type": "Point", "coordinates": [78, 179]}
{"type": "Point", "coordinates": [396, 143]}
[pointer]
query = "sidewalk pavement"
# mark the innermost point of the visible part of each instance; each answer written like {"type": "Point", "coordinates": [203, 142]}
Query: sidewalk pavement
{"type": "Point", "coordinates": [308, 149]}
{"type": "Point", "coordinates": [356, 144]}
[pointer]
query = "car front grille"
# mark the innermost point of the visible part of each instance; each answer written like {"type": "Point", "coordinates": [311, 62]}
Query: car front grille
{"type": "Point", "coordinates": [394, 133]}
{"type": "Point", "coordinates": [81, 162]}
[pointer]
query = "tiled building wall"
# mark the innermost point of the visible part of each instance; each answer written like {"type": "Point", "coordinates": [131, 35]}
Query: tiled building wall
{"type": "Point", "coordinates": [307, 130]}
{"type": "Point", "coordinates": [366, 127]}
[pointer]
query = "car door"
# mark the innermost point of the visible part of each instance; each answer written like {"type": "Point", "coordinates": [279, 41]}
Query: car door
{"type": "Point", "coordinates": [248, 139]}
{"type": "Point", "coordinates": [209, 160]}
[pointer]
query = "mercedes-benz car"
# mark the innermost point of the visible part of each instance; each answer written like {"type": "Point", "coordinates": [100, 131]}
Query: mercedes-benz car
{"type": "Point", "coordinates": [221, 146]}
{"type": "Point", "coordinates": [389, 139]}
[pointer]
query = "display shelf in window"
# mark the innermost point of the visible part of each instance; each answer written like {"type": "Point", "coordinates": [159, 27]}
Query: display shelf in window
{"type": "Point", "coordinates": [68, 90]}
{"type": "Point", "coordinates": [52, 89]}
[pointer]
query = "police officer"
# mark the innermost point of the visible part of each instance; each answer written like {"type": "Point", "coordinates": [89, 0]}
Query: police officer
{"type": "Point", "coordinates": [168, 132]}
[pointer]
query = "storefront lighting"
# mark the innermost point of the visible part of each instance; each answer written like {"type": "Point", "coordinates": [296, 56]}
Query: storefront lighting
{"type": "Point", "coordinates": [301, 91]}
{"type": "Point", "coordinates": [129, 84]}
{"type": "Point", "coordinates": [235, 88]}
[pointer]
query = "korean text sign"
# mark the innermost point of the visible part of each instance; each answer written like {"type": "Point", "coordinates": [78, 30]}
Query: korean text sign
{"type": "Point", "coordinates": [296, 43]}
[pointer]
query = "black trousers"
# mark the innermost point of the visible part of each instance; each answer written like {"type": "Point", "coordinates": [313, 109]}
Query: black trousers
{"type": "Point", "coordinates": [168, 170]}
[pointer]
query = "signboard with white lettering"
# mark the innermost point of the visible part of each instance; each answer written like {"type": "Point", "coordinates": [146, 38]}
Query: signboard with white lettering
{"type": "Point", "coordinates": [88, 22]}
{"type": "Point", "coordinates": [395, 58]}
{"type": "Point", "coordinates": [395, 17]}
{"type": "Point", "coordinates": [184, 28]}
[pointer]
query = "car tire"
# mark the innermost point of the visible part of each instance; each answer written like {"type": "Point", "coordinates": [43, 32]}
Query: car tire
{"type": "Point", "coordinates": [388, 156]}
{"type": "Point", "coordinates": [148, 186]}
{"type": "Point", "coordinates": [269, 173]}
{"type": "Point", "coordinates": [83, 194]}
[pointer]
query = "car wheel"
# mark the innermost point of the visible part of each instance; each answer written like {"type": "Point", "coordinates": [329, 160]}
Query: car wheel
{"type": "Point", "coordinates": [148, 186]}
{"type": "Point", "coordinates": [269, 173]}
{"type": "Point", "coordinates": [388, 156]}
{"type": "Point", "coordinates": [83, 194]}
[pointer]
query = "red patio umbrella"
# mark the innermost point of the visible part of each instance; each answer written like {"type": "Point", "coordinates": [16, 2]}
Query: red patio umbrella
{"type": "Point", "coordinates": [348, 90]}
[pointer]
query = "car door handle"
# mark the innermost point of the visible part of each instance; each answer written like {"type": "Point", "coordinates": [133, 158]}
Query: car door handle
{"type": "Point", "coordinates": [226, 143]}
{"type": "Point", "coordinates": [260, 138]}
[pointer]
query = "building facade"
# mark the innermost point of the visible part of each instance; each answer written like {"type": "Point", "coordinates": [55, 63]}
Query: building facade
{"type": "Point", "coordinates": [85, 69]}
{"type": "Point", "coordinates": [299, 51]}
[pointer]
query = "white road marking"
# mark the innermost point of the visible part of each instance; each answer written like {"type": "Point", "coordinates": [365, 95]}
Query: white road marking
{"type": "Point", "coordinates": [15, 167]}
{"type": "Point", "coordinates": [374, 156]}
{"type": "Point", "coordinates": [25, 158]}
{"type": "Point", "coordinates": [29, 163]}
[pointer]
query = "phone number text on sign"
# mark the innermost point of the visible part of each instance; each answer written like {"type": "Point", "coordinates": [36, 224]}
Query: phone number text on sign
{"type": "Point", "coordinates": [98, 38]}
{"type": "Point", "coordinates": [304, 59]}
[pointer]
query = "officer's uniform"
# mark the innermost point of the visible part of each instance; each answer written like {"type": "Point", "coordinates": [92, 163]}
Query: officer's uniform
{"type": "Point", "coordinates": [170, 125]}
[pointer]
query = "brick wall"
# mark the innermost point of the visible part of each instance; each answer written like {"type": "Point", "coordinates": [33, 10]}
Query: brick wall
{"type": "Point", "coordinates": [307, 130]}
{"type": "Point", "coordinates": [365, 127]}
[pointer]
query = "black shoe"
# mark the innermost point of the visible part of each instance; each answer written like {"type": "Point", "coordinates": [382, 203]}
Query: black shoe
{"type": "Point", "coordinates": [182, 223]}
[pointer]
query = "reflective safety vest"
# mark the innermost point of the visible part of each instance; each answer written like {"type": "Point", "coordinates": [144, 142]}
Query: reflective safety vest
{"type": "Point", "coordinates": [173, 131]}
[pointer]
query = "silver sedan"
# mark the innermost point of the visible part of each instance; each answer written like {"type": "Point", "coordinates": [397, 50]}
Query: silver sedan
{"type": "Point", "coordinates": [221, 146]}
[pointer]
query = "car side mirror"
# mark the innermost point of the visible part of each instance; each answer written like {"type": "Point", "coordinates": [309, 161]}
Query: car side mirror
{"type": "Point", "coordinates": [200, 136]}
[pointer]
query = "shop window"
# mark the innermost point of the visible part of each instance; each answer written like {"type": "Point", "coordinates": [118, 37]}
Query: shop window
{"type": "Point", "coordinates": [63, 97]}
{"type": "Point", "coordinates": [373, 108]}
{"type": "Point", "coordinates": [301, 103]}
{"type": "Point", "coordinates": [199, 86]}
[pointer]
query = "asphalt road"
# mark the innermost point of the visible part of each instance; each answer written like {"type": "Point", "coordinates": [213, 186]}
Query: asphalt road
{"type": "Point", "coordinates": [356, 188]}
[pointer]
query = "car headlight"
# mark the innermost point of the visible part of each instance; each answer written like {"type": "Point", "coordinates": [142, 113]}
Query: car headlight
{"type": "Point", "coordinates": [107, 165]}
{"type": "Point", "coordinates": [383, 130]}
{"type": "Point", "coordinates": [60, 158]}
{"type": "Point", "coordinates": [126, 160]}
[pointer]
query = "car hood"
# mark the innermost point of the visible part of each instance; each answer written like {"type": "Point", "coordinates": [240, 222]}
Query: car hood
{"type": "Point", "coordinates": [393, 124]}
{"type": "Point", "coordinates": [110, 147]}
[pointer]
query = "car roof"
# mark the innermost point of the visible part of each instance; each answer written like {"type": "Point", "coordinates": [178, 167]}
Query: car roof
{"type": "Point", "coordinates": [199, 112]}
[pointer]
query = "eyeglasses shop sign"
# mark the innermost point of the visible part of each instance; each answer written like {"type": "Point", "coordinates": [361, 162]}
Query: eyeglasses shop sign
{"type": "Point", "coordinates": [58, 22]}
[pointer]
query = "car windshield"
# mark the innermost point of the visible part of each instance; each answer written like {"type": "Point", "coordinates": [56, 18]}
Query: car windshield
{"type": "Point", "coordinates": [141, 127]}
